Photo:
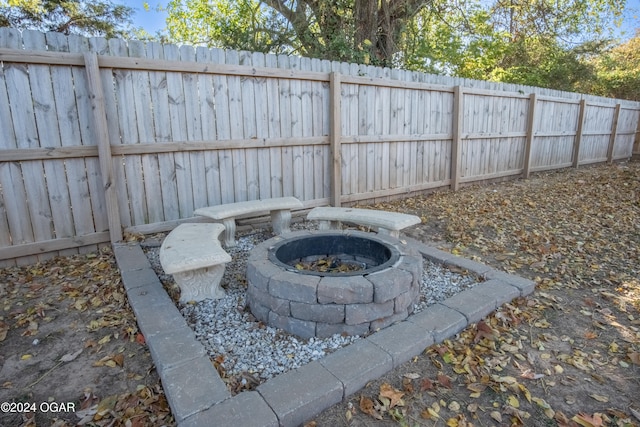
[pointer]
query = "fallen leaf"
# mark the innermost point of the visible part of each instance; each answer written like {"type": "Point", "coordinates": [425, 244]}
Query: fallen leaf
{"type": "Point", "coordinates": [513, 401]}
{"type": "Point", "coordinates": [412, 375]}
{"type": "Point", "coordinates": [550, 413]}
{"type": "Point", "coordinates": [585, 420]}
{"type": "Point", "coordinates": [496, 416]}
{"type": "Point", "coordinates": [4, 328]}
{"type": "Point", "coordinates": [599, 398]}
{"type": "Point", "coordinates": [426, 384]}
{"type": "Point", "coordinates": [367, 407]}
{"type": "Point", "coordinates": [105, 406]}
{"type": "Point", "coordinates": [70, 356]}
{"type": "Point", "coordinates": [140, 338]}
{"type": "Point", "coordinates": [483, 330]}
{"type": "Point", "coordinates": [394, 395]}
{"type": "Point", "coordinates": [444, 381]}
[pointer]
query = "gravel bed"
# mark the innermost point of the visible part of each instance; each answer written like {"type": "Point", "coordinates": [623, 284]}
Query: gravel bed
{"type": "Point", "coordinates": [253, 352]}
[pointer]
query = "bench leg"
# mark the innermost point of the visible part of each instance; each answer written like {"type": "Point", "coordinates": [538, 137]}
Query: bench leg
{"type": "Point", "coordinates": [229, 232]}
{"type": "Point", "coordinates": [329, 225]}
{"type": "Point", "coordinates": [200, 284]}
{"type": "Point", "coordinates": [280, 221]}
{"type": "Point", "coordinates": [392, 233]}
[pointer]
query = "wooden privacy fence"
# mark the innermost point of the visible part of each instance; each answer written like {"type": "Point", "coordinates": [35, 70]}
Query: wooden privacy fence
{"type": "Point", "coordinates": [99, 136]}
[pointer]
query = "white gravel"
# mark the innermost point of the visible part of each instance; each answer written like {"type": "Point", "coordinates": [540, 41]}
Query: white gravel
{"type": "Point", "coordinates": [256, 352]}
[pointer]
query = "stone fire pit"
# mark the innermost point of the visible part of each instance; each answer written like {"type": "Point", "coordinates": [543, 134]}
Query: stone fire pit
{"type": "Point", "coordinates": [311, 303]}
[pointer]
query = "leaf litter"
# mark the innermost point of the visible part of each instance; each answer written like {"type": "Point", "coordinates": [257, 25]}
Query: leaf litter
{"type": "Point", "coordinates": [68, 335]}
{"type": "Point", "coordinates": [567, 355]}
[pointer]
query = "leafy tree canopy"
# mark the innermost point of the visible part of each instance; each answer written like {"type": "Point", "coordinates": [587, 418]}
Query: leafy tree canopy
{"type": "Point", "coordinates": [83, 17]}
{"type": "Point", "coordinates": [533, 42]}
{"type": "Point", "coordinates": [618, 71]}
{"type": "Point", "coordinates": [350, 30]}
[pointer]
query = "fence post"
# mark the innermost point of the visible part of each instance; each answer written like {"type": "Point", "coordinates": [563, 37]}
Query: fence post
{"type": "Point", "coordinates": [578, 140]}
{"type": "Point", "coordinates": [533, 101]}
{"type": "Point", "coordinates": [104, 148]}
{"type": "Point", "coordinates": [335, 131]}
{"type": "Point", "coordinates": [456, 142]}
{"type": "Point", "coordinates": [614, 131]}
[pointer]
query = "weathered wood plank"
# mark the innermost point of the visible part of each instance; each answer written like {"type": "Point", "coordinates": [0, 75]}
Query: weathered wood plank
{"type": "Point", "coordinates": [178, 126]}
{"type": "Point", "coordinates": [162, 136]}
{"type": "Point", "coordinates": [151, 205]}
{"type": "Point", "coordinates": [26, 136]}
{"type": "Point", "coordinates": [46, 119]}
{"type": "Point", "coordinates": [192, 101]}
{"type": "Point", "coordinates": [334, 136]}
{"type": "Point", "coordinates": [208, 116]}
{"type": "Point", "coordinates": [274, 130]}
{"type": "Point", "coordinates": [83, 174]}
{"type": "Point", "coordinates": [250, 116]}
{"type": "Point", "coordinates": [263, 155]}
{"type": "Point", "coordinates": [104, 147]}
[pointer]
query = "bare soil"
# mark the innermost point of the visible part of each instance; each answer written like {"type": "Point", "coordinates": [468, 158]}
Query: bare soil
{"type": "Point", "coordinates": [70, 351]}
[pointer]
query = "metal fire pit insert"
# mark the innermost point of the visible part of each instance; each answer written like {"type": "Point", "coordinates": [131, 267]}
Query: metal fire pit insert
{"type": "Point", "coordinates": [311, 303]}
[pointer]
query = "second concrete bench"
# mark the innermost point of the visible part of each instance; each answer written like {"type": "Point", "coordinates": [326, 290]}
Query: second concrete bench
{"type": "Point", "coordinates": [279, 207]}
{"type": "Point", "coordinates": [386, 222]}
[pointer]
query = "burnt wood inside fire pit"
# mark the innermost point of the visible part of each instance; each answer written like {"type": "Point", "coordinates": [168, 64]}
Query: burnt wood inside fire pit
{"type": "Point", "coordinates": [308, 302]}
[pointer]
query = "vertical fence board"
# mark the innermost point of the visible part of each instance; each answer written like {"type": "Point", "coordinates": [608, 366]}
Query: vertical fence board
{"type": "Point", "coordinates": [223, 128]}
{"type": "Point", "coordinates": [192, 102]}
{"type": "Point", "coordinates": [162, 133]}
{"type": "Point", "coordinates": [250, 116]}
{"type": "Point", "coordinates": [335, 93]}
{"type": "Point", "coordinates": [263, 155]}
{"type": "Point", "coordinates": [208, 116]}
{"type": "Point", "coordinates": [274, 129]}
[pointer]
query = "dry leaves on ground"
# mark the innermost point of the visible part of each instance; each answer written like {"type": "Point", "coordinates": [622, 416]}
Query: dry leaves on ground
{"type": "Point", "coordinates": [69, 336]}
{"type": "Point", "coordinates": [568, 354]}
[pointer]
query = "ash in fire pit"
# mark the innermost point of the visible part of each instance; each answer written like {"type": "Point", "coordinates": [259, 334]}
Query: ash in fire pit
{"type": "Point", "coordinates": [322, 301]}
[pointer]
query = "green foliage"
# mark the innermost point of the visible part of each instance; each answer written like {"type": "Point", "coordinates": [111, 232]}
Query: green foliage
{"type": "Point", "coordinates": [618, 71]}
{"type": "Point", "coordinates": [88, 18]}
{"type": "Point", "coordinates": [540, 43]}
{"type": "Point", "coordinates": [363, 31]}
{"type": "Point", "coordinates": [235, 24]}
{"type": "Point", "coordinates": [459, 41]}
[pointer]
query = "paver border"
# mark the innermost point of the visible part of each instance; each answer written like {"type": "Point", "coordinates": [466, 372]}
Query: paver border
{"type": "Point", "coordinates": [198, 396]}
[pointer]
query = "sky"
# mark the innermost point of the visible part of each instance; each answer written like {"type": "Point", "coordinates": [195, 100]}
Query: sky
{"type": "Point", "coordinates": [153, 20]}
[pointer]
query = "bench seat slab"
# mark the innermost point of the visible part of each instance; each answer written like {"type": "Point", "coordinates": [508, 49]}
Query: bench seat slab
{"type": "Point", "coordinates": [279, 207]}
{"type": "Point", "coordinates": [386, 222]}
{"type": "Point", "coordinates": [193, 255]}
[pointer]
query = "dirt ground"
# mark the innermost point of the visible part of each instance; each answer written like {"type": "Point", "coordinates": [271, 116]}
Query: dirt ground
{"type": "Point", "coordinates": [70, 351]}
{"type": "Point", "coordinates": [569, 355]}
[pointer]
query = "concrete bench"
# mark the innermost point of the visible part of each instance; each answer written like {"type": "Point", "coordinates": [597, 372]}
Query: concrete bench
{"type": "Point", "coordinates": [386, 222]}
{"type": "Point", "coordinates": [193, 255]}
{"type": "Point", "coordinates": [280, 209]}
